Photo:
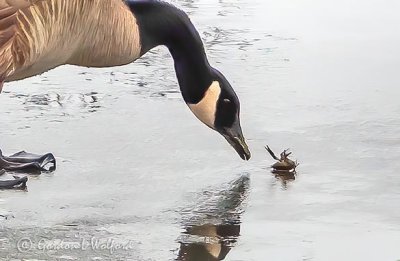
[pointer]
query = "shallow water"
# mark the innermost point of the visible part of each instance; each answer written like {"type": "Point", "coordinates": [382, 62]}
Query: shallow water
{"type": "Point", "coordinates": [139, 178]}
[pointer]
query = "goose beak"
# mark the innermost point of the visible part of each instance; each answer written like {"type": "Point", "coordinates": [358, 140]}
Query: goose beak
{"type": "Point", "coordinates": [236, 139]}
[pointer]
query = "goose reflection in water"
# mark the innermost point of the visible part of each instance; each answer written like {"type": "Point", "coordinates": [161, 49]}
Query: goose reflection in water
{"type": "Point", "coordinates": [214, 227]}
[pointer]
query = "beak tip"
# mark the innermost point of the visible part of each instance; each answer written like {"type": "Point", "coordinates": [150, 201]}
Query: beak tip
{"type": "Point", "coordinates": [239, 144]}
{"type": "Point", "coordinates": [244, 152]}
{"type": "Point", "coordinates": [246, 156]}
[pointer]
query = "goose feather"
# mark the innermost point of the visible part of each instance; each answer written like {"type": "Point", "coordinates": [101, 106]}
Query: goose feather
{"type": "Point", "coordinates": [39, 35]}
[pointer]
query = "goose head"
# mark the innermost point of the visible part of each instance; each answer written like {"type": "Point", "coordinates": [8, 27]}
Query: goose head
{"type": "Point", "coordinates": [205, 90]}
{"type": "Point", "coordinates": [219, 109]}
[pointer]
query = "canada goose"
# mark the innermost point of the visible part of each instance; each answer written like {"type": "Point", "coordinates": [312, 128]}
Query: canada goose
{"type": "Point", "coordinates": [39, 35]}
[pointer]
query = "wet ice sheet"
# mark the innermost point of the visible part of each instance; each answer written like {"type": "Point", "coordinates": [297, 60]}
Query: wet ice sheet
{"type": "Point", "coordinates": [320, 78]}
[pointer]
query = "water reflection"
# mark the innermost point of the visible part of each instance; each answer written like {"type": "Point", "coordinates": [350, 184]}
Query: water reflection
{"type": "Point", "coordinates": [189, 5]}
{"type": "Point", "coordinates": [218, 241]}
{"type": "Point", "coordinates": [217, 39]}
{"type": "Point", "coordinates": [215, 227]}
{"type": "Point", "coordinates": [60, 104]}
{"type": "Point", "coordinates": [284, 177]}
{"type": "Point", "coordinates": [228, 8]}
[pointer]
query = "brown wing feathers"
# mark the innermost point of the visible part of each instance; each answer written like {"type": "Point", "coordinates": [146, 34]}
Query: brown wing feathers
{"type": "Point", "coordinates": [39, 35]}
{"type": "Point", "coordinates": [8, 30]}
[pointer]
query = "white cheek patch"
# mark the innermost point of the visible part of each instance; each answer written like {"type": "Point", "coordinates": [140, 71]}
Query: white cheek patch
{"type": "Point", "coordinates": [205, 109]}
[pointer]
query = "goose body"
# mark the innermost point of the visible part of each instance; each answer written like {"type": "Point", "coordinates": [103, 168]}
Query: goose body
{"type": "Point", "coordinates": [39, 35]}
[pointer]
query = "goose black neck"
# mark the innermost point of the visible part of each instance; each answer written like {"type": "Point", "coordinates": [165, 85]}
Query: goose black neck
{"type": "Point", "coordinates": [163, 24]}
